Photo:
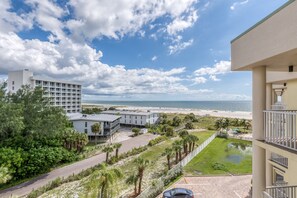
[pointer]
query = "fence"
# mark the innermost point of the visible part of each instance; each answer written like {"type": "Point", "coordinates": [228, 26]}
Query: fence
{"type": "Point", "coordinates": [158, 185]}
{"type": "Point", "coordinates": [191, 155]}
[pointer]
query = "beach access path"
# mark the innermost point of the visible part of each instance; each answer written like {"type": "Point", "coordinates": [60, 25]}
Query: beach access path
{"type": "Point", "coordinates": [25, 188]}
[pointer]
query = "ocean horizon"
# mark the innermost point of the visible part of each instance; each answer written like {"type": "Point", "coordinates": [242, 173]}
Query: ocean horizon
{"type": "Point", "coordinates": [202, 105]}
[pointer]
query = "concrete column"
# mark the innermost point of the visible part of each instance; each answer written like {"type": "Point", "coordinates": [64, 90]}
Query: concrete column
{"type": "Point", "coordinates": [268, 169]}
{"type": "Point", "coordinates": [259, 104]}
{"type": "Point", "coordinates": [269, 96]}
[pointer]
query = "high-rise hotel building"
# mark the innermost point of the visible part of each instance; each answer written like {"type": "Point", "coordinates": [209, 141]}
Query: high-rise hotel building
{"type": "Point", "coordinates": [66, 95]}
{"type": "Point", "coordinates": [269, 51]}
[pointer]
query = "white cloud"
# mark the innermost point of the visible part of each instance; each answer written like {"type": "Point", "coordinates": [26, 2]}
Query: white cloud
{"type": "Point", "coordinates": [94, 19]}
{"type": "Point", "coordinates": [236, 4]}
{"type": "Point", "coordinates": [154, 58]}
{"type": "Point", "coordinates": [71, 61]}
{"type": "Point", "coordinates": [47, 15]}
{"type": "Point", "coordinates": [10, 21]}
{"type": "Point", "coordinates": [221, 67]}
{"type": "Point", "coordinates": [214, 78]}
{"type": "Point", "coordinates": [218, 68]}
{"type": "Point", "coordinates": [179, 46]}
{"type": "Point", "coordinates": [199, 80]}
{"type": "Point", "coordinates": [181, 23]}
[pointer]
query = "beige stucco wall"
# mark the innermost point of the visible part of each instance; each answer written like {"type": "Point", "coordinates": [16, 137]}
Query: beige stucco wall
{"type": "Point", "coordinates": [274, 36]}
{"type": "Point", "coordinates": [290, 173]}
{"type": "Point", "coordinates": [290, 95]}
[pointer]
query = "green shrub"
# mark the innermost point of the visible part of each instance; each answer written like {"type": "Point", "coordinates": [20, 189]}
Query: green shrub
{"type": "Point", "coordinates": [219, 166]}
{"type": "Point", "coordinates": [157, 140]}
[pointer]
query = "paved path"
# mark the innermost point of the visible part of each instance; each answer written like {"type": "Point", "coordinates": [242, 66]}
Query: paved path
{"type": "Point", "coordinates": [217, 187]}
{"type": "Point", "coordinates": [25, 188]}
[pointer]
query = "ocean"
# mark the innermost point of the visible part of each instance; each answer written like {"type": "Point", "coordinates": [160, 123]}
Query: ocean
{"type": "Point", "coordinates": [203, 105]}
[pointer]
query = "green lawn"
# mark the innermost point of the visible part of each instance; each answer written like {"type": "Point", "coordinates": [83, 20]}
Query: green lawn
{"type": "Point", "coordinates": [222, 156]}
{"type": "Point", "coordinates": [203, 135]}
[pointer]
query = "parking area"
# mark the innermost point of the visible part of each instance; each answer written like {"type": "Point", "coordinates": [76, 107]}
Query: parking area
{"type": "Point", "coordinates": [123, 134]}
{"type": "Point", "coordinates": [217, 187]}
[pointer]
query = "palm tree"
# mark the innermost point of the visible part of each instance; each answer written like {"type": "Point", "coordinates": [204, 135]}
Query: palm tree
{"type": "Point", "coordinates": [192, 141]}
{"type": "Point", "coordinates": [141, 165]}
{"type": "Point", "coordinates": [168, 152]}
{"type": "Point", "coordinates": [108, 149]}
{"type": "Point", "coordinates": [177, 147]}
{"type": "Point", "coordinates": [117, 146]}
{"type": "Point", "coordinates": [107, 180]}
{"type": "Point", "coordinates": [96, 128]}
{"type": "Point", "coordinates": [183, 133]}
{"type": "Point", "coordinates": [185, 142]}
{"type": "Point", "coordinates": [133, 179]}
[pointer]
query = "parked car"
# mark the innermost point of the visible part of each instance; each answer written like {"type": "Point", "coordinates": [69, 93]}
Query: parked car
{"type": "Point", "coordinates": [178, 193]}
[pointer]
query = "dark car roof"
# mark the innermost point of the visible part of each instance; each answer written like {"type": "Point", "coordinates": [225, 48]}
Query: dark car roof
{"type": "Point", "coordinates": [178, 192]}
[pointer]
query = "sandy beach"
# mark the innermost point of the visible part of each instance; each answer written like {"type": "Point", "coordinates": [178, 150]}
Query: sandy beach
{"type": "Point", "coordinates": [215, 113]}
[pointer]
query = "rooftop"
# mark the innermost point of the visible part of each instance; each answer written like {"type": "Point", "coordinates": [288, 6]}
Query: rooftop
{"type": "Point", "coordinates": [94, 117]}
{"type": "Point", "coordinates": [129, 112]}
{"type": "Point", "coordinates": [43, 78]}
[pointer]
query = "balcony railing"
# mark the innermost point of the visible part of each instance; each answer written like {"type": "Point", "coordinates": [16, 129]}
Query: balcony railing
{"type": "Point", "coordinates": [280, 192]}
{"type": "Point", "coordinates": [280, 128]}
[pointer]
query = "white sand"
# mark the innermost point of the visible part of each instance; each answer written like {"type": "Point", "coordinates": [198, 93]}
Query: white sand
{"type": "Point", "coordinates": [226, 114]}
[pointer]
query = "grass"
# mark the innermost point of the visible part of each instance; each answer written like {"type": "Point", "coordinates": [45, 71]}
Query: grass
{"type": "Point", "coordinates": [203, 135]}
{"type": "Point", "coordinates": [219, 152]}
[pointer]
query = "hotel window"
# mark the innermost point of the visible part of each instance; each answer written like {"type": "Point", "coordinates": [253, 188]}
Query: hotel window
{"type": "Point", "coordinates": [86, 130]}
{"type": "Point", "coordinates": [12, 82]}
{"type": "Point", "coordinates": [86, 124]}
{"type": "Point", "coordinates": [12, 87]}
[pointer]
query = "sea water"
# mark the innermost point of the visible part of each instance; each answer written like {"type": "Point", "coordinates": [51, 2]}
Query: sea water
{"type": "Point", "coordinates": [203, 105]}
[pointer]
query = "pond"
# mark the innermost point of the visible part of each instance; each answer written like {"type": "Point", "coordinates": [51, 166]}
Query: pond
{"type": "Point", "coordinates": [236, 151]}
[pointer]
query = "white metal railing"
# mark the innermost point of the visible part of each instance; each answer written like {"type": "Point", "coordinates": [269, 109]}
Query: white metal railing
{"type": "Point", "coordinates": [280, 128]}
{"type": "Point", "coordinates": [280, 192]}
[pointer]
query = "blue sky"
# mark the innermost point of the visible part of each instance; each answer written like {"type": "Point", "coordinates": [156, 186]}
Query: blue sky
{"type": "Point", "coordinates": [132, 49]}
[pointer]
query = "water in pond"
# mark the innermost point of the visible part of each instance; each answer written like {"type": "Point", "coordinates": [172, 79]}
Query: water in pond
{"type": "Point", "coordinates": [237, 150]}
{"type": "Point", "coordinates": [236, 159]}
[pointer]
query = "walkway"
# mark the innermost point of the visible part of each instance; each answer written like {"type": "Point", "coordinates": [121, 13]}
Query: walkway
{"type": "Point", "coordinates": [25, 188]}
{"type": "Point", "coordinates": [217, 187]}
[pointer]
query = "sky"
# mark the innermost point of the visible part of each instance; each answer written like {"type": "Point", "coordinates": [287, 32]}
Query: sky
{"type": "Point", "coordinates": [132, 49]}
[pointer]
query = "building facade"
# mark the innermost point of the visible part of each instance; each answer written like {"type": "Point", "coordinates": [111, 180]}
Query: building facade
{"type": "Point", "coordinates": [109, 124]}
{"type": "Point", "coordinates": [136, 118]}
{"type": "Point", "coordinates": [66, 95]}
{"type": "Point", "coordinates": [269, 50]}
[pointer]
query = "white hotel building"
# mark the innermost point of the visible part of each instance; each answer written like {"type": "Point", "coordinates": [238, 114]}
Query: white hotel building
{"type": "Point", "coordinates": [66, 95]}
{"type": "Point", "coordinates": [135, 118]}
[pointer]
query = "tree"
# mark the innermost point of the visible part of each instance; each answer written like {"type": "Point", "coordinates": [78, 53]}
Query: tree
{"type": "Point", "coordinates": [225, 123]}
{"type": "Point", "coordinates": [192, 141]}
{"type": "Point", "coordinates": [133, 179]}
{"type": "Point", "coordinates": [108, 149]}
{"type": "Point", "coordinates": [117, 146]}
{"type": "Point", "coordinates": [218, 124]}
{"type": "Point", "coordinates": [141, 165]}
{"type": "Point", "coordinates": [189, 125]}
{"type": "Point", "coordinates": [183, 133]}
{"type": "Point", "coordinates": [96, 129]}
{"type": "Point", "coordinates": [107, 179]}
{"type": "Point", "coordinates": [168, 152]}
{"type": "Point", "coordinates": [4, 175]}
{"type": "Point", "coordinates": [176, 121]}
{"type": "Point", "coordinates": [185, 142]}
{"type": "Point", "coordinates": [136, 131]}
{"type": "Point", "coordinates": [177, 146]}
{"type": "Point", "coordinates": [163, 118]}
